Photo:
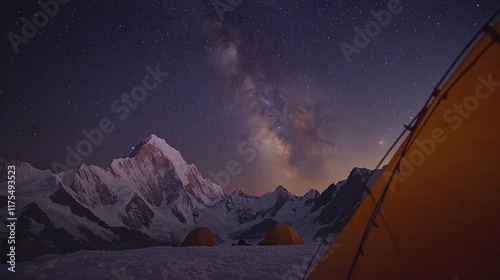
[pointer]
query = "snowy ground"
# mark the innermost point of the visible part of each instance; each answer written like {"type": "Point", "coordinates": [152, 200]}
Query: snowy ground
{"type": "Point", "coordinates": [222, 262]}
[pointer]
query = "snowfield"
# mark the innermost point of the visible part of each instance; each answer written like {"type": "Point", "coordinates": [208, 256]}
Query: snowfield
{"type": "Point", "coordinates": [221, 262]}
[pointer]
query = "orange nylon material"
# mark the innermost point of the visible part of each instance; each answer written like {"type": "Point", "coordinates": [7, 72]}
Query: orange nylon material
{"type": "Point", "coordinates": [440, 217]}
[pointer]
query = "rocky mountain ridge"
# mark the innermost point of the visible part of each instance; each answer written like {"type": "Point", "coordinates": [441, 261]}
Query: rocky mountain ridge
{"type": "Point", "coordinates": [152, 197]}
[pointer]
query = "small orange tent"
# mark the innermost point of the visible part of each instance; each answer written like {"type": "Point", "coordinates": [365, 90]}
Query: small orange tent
{"type": "Point", "coordinates": [282, 234]}
{"type": "Point", "coordinates": [200, 236]}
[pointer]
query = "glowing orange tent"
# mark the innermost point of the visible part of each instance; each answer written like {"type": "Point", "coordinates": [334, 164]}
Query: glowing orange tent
{"type": "Point", "coordinates": [200, 236]}
{"type": "Point", "coordinates": [282, 234]}
{"type": "Point", "coordinates": [434, 212]}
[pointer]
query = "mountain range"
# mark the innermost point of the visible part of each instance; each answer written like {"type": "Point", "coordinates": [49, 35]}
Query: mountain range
{"type": "Point", "coordinates": [152, 197]}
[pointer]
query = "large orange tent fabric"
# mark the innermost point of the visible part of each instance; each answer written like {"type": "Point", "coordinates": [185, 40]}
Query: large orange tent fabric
{"type": "Point", "coordinates": [282, 234]}
{"type": "Point", "coordinates": [434, 212]}
{"type": "Point", "coordinates": [200, 236]}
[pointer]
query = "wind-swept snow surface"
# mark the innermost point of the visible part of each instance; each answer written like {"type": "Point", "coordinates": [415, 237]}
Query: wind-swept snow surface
{"type": "Point", "coordinates": [222, 262]}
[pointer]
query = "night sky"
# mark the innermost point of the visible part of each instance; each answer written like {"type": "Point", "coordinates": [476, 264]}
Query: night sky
{"type": "Point", "coordinates": [266, 91]}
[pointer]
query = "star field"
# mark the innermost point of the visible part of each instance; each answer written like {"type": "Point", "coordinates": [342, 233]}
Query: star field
{"type": "Point", "coordinates": [268, 87]}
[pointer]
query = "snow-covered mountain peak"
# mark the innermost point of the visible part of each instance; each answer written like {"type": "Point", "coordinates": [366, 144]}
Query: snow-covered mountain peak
{"type": "Point", "coordinates": [154, 150]}
{"type": "Point", "coordinates": [281, 191]}
{"type": "Point", "coordinates": [158, 145]}
{"type": "Point", "coordinates": [240, 193]}
{"type": "Point", "coordinates": [311, 194]}
{"type": "Point", "coordinates": [152, 176]}
{"type": "Point", "coordinates": [4, 163]}
{"type": "Point", "coordinates": [359, 171]}
{"type": "Point", "coordinates": [280, 188]}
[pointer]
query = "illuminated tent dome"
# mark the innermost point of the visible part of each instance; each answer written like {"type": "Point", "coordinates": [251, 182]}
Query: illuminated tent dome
{"type": "Point", "coordinates": [201, 236]}
{"type": "Point", "coordinates": [282, 234]}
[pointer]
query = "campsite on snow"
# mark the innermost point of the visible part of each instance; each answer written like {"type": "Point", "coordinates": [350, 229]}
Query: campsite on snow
{"type": "Point", "coordinates": [250, 140]}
